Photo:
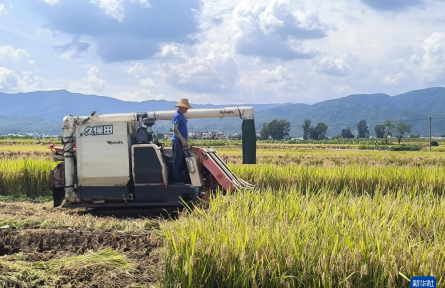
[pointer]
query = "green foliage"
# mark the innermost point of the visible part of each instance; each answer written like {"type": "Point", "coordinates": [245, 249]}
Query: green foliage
{"type": "Point", "coordinates": [275, 129]}
{"type": "Point", "coordinates": [346, 133]}
{"type": "Point", "coordinates": [362, 129]}
{"type": "Point", "coordinates": [434, 144]}
{"type": "Point", "coordinates": [401, 147]}
{"type": "Point", "coordinates": [379, 130]}
{"type": "Point", "coordinates": [306, 126]}
{"type": "Point", "coordinates": [318, 132]}
{"type": "Point", "coordinates": [400, 129]}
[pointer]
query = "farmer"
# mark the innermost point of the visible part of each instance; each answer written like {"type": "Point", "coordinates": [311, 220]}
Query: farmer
{"type": "Point", "coordinates": [179, 140]}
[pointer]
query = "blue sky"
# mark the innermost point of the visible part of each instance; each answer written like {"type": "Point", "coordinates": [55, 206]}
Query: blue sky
{"type": "Point", "coordinates": [222, 51]}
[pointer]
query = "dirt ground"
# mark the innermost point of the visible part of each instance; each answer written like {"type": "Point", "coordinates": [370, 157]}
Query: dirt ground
{"type": "Point", "coordinates": [54, 247]}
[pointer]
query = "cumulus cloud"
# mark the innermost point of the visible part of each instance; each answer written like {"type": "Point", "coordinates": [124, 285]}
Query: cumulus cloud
{"type": "Point", "coordinates": [333, 67]}
{"type": "Point", "coordinates": [148, 82]}
{"type": "Point", "coordinates": [137, 95]}
{"type": "Point", "coordinates": [30, 82]}
{"type": "Point", "coordinates": [91, 83]}
{"type": "Point", "coordinates": [137, 70]}
{"type": "Point", "coordinates": [16, 71]}
{"type": "Point", "coordinates": [74, 49]}
{"type": "Point", "coordinates": [275, 30]}
{"type": "Point", "coordinates": [434, 57]}
{"type": "Point", "coordinates": [209, 67]}
{"type": "Point", "coordinates": [3, 10]}
{"type": "Point", "coordinates": [8, 79]}
{"type": "Point", "coordinates": [125, 29]}
{"type": "Point", "coordinates": [95, 80]}
{"type": "Point", "coordinates": [277, 83]}
{"type": "Point", "coordinates": [392, 5]}
{"type": "Point", "coordinates": [11, 55]}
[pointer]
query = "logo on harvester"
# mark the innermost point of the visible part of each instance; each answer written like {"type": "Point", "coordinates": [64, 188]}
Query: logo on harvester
{"type": "Point", "coordinates": [226, 112]}
{"type": "Point", "coordinates": [115, 142]}
{"type": "Point", "coordinates": [97, 130]}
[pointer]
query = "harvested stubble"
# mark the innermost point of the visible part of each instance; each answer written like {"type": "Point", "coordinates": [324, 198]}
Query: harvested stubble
{"type": "Point", "coordinates": [288, 238]}
{"type": "Point", "coordinates": [53, 247]}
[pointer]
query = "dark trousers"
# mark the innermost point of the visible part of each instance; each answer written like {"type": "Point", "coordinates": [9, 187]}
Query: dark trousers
{"type": "Point", "coordinates": [178, 160]}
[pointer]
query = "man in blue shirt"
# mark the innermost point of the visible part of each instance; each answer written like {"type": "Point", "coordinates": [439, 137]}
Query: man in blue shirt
{"type": "Point", "coordinates": [179, 140]}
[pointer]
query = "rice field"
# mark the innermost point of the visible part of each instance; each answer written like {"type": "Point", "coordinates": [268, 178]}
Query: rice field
{"type": "Point", "coordinates": [319, 218]}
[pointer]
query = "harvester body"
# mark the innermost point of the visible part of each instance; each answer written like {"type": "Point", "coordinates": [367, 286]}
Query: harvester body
{"type": "Point", "coordinates": [115, 160]}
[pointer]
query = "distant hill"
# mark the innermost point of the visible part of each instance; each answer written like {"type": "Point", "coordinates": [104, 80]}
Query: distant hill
{"type": "Point", "coordinates": [28, 124]}
{"type": "Point", "coordinates": [45, 110]}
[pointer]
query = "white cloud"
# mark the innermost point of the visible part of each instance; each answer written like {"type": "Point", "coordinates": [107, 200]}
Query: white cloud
{"type": "Point", "coordinates": [91, 83]}
{"type": "Point", "coordinates": [8, 53]}
{"type": "Point", "coordinates": [137, 95]}
{"type": "Point", "coordinates": [51, 2]}
{"type": "Point", "coordinates": [333, 67]}
{"type": "Point", "coordinates": [8, 79]}
{"type": "Point", "coordinates": [137, 70]}
{"type": "Point", "coordinates": [13, 61]}
{"type": "Point", "coordinates": [274, 85]}
{"type": "Point", "coordinates": [210, 67]}
{"type": "Point", "coordinates": [3, 10]}
{"type": "Point", "coordinates": [434, 57]}
{"type": "Point", "coordinates": [148, 82]}
{"type": "Point", "coordinates": [275, 30]}
{"type": "Point", "coordinates": [125, 30]}
{"type": "Point", "coordinates": [114, 8]}
{"type": "Point", "coordinates": [395, 79]}
{"type": "Point", "coordinates": [30, 82]}
{"type": "Point", "coordinates": [95, 80]}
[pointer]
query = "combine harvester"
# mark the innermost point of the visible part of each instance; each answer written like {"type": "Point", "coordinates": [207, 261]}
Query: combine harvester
{"type": "Point", "coordinates": [115, 160]}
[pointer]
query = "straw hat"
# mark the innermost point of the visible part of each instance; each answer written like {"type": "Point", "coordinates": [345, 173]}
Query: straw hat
{"type": "Point", "coordinates": [184, 102]}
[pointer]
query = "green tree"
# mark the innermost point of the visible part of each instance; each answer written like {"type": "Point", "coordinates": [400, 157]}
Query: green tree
{"type": "Point", "coordinates": [379, 130]}
{"type": "Point", "coordinates": [277, 130]}
{"type": "Point", "coordinates": [362, 129]}
{"type": "Point", "coordinates": [400, 130]}
{"type": "Point", "coordinates": [346, 133]}
{"type": "Point", "coordinates": [389, 127]}
{"type": "Point", "coordinates": [264, 132]}
{"type": "Point", "coordinates": [318, 132]}
{"type": "Point", "coordinates": [306, 127]}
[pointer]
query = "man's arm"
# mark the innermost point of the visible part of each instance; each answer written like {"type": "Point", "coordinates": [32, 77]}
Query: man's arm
{"type": "Point", "coordinates": [178, 134]}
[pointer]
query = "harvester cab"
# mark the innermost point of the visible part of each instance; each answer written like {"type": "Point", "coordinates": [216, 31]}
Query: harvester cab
{"type": "Point", "coordinates": [115, 160]}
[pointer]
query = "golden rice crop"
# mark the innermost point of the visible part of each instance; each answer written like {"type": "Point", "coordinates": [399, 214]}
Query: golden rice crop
{"type": "Point", "coordinates": [289, 238]}
{"type": "Point", "coordinates": [358, 178]}
{"type": "Point", "coordinates": [25, 176]}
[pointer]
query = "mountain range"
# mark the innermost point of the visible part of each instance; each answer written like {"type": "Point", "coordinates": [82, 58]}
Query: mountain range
{"type": "Point", "coordinates": [43, 111]}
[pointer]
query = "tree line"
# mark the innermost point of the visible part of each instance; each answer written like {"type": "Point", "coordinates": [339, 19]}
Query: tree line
{"type": "Point", "coordinates": [279, 129]}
